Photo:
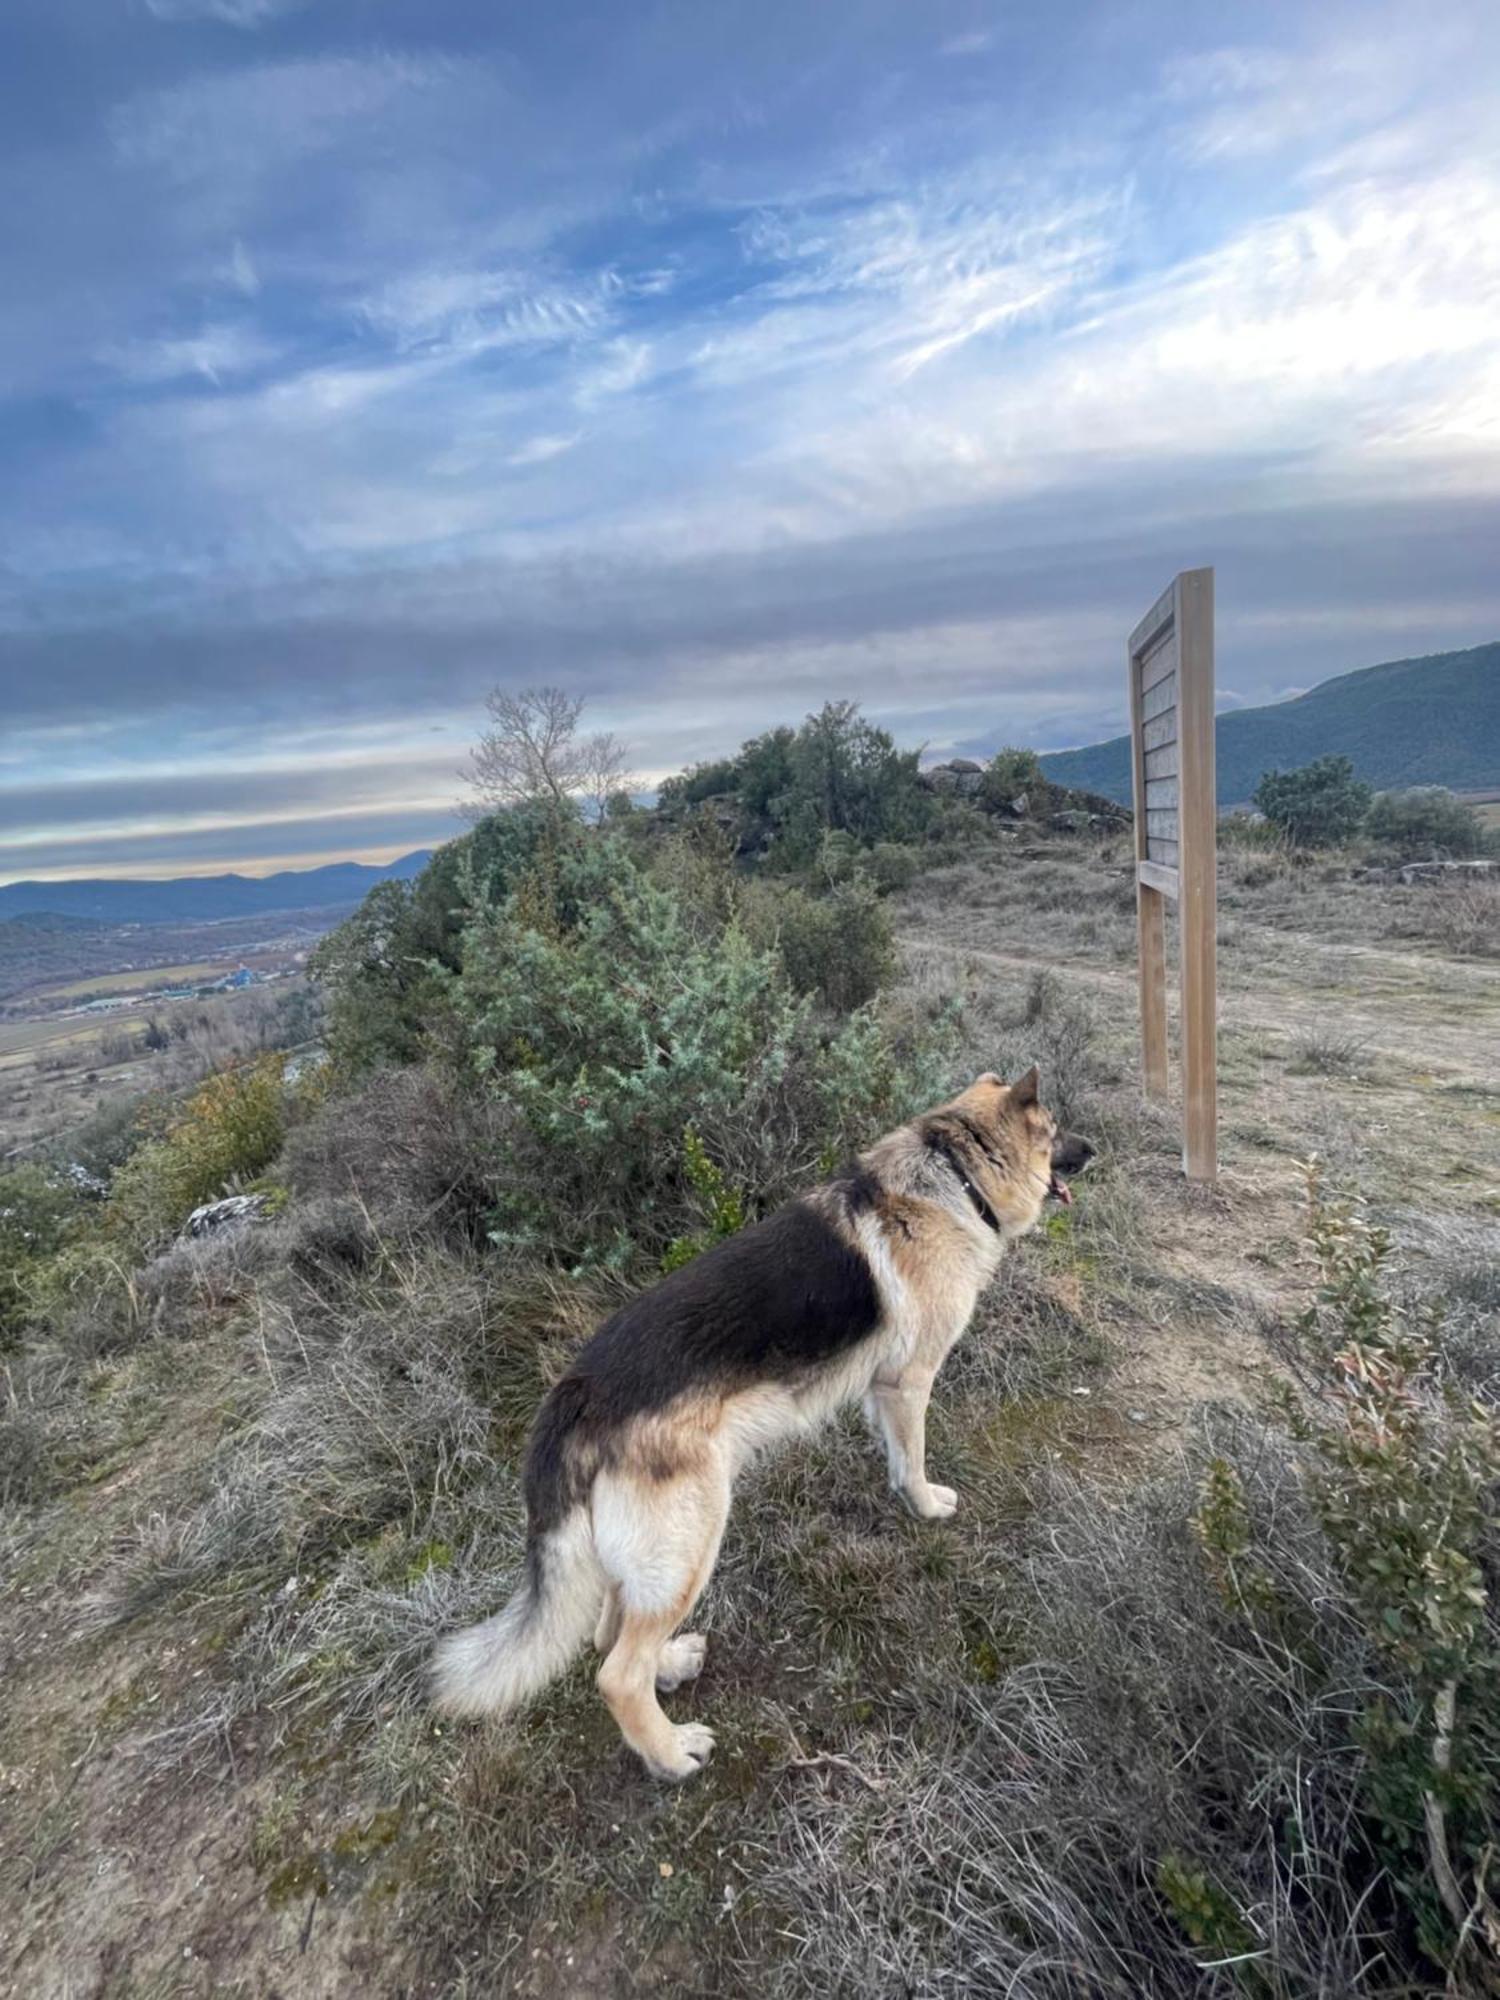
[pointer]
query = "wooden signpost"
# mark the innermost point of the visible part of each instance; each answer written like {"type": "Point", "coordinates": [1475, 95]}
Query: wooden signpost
{"type": "Point", "coordinates": [1171, 668]}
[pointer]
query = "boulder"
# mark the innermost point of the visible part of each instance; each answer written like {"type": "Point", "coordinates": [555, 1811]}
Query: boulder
{"type": "Point", "coordinates": [963, 777]}
{"type": "Point", "coordinates": [234, 1211]}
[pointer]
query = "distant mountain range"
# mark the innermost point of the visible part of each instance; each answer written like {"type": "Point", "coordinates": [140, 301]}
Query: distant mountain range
{"type": "Point", "coordinates": [1432, 721]}
{"type": "Point", "coordinates": [203, 898]}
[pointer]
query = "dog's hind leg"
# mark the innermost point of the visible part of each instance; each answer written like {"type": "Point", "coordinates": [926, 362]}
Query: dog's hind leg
{"type": "Point", "coordinates": [608, 1629]}
{"type": "Point", "coordinates": [899, 1409]}
{"type": "Point", "coordinates": [660, 1541]}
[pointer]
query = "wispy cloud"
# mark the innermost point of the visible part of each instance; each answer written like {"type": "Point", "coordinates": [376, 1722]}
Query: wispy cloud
{"type": "Point", "coordinates": [234, 13]}
{"type": "Point", "coordinates": [215, 353]}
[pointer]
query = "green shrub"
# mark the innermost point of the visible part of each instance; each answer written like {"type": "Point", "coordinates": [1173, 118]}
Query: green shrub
{"type": "Point", "coordinates": [839, 948]}
{"type": "Point", "coordinates": [1425, 820]}
{"type": "Point", "coordinates": [892, 867]}
{"type": "Point", "coordinates": [837, 774]}
{"type": "Point", "coordinates": [1404, 1485]}
{"type": "Point", "coordinates": [723, 1209]}
{"type": "Point", "coordinates": [381, 971]}
{"type": "Point", "coordinates": [1008, 775]}
{"type": "Point", "coordinates": [39, 1214]}
{"type": "Point", "coordinates": [602, 1017]}
{"type": "Point", "coordinates": [1322, 804]}
{"type": "Point", "coordinates": [231, 1129]}
{"type": "Point", "coordinates": [1401, 1479]}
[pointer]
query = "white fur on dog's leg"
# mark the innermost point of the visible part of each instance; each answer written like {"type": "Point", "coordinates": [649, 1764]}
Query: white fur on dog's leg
{"type": "Point", "coordinates": [681, 1659]}
{"type": "Point", "coordinates": [935, 1503]}
{"type": "Point", "coordinates": [691, 1746]}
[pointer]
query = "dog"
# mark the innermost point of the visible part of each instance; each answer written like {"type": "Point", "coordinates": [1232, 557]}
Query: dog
{"type": "Point", "coordinates": [856, 1290]}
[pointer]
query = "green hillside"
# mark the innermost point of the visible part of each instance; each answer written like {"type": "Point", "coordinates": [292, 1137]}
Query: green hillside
{"type": "Point", "coordinates": [1433, 721]}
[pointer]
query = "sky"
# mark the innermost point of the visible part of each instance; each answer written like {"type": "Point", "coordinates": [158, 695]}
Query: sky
{"type": "Point", "coordinates": [711, 360]}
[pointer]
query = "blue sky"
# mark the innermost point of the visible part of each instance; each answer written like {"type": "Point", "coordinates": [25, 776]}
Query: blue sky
{"type": "Point", "coordinates": [712, 360]}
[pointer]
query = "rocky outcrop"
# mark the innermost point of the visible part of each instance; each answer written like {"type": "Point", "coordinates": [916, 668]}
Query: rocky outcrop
{"type": "Point", "coordinates": [960, 778]}
{"type": "Point", "coordinates": [1080, 820]}
{"type": "Point", "coordinates": [1408, 872]}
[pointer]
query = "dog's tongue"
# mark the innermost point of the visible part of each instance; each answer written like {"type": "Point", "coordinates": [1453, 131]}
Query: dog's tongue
{"type": "Point", "coordinates": [1059, 1188]}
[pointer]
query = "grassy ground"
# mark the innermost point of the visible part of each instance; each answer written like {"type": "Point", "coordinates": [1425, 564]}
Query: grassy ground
{"type": "Point", "coordinates": [260, 1488]}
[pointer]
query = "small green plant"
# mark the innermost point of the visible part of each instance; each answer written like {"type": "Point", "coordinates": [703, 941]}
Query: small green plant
{"type": "Point", "coordinates": [1222, 1526]}
{"type": "Point", "coordinates": [1403, 1481]}
{"type": "Point", "coordinates": [39, 1216]}
{"type": "Point", "coordinates": [724, 1209]}
{"type": "Point", "coordinates": [1209, 1917]}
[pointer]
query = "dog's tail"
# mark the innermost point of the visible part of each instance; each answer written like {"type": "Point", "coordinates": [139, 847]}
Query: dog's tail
{"type": "Point", "coordinates": [490, 1668]}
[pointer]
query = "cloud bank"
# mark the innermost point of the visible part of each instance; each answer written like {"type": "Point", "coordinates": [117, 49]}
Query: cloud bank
{"type": "Point", "coordinates": [714, 365]}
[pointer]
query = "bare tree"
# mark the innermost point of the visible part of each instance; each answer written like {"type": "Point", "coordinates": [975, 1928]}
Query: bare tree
{"type": "Point", "coordinates": [534, 751]}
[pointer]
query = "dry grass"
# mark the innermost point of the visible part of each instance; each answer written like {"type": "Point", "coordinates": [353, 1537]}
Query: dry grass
{"type": "Point", "coordinates": [952, 1760]}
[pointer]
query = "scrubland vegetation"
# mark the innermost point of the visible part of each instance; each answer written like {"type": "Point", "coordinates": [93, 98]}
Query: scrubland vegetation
{"type": "Point", "coordinates": [1196, 1695]}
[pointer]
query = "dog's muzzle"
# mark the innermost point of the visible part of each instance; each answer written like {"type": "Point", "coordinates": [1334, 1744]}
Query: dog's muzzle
{"type": "Point", "coordinates": [1070, 1156]}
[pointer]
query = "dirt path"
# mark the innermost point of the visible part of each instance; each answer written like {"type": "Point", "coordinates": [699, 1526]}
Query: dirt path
{"type": "Point", "coordinates": [1402, 1026]}
{"type": "Point", "coordinates": [1443, 1012]}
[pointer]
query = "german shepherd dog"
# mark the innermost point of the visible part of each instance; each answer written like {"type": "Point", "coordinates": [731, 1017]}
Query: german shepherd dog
{"type": "Point", "coordinates": [856, 1290]}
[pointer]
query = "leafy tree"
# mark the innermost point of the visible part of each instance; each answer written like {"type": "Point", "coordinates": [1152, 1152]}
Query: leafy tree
{"type": "Point", "coordinates": [850, 777]}
{"type": "Point", "coordinates": [1321, 805]}
{"type": "Point", "coordinates": [765, 770]}
{"type": "Point", "coordinates": [1427, 819]}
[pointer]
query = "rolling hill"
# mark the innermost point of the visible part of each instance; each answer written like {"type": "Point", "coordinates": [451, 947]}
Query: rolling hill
{"type": "Point", "coordinates": [204, 898]}
{"type": "Point", "coordinates": [1431, 721]}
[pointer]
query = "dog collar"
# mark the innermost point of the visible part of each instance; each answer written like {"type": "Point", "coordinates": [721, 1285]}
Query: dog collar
{"type": "Point", "coordinates": [982, 1207]}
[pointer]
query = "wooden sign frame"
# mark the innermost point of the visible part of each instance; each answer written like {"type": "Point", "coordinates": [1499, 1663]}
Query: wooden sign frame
{"type": "Point", "coordinates": [1171, 668]}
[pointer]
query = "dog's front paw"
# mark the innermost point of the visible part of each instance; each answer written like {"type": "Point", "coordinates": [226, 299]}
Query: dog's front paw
{"type": "Point", "coordinates": [691, 1747]}
{"type": "Point", "coordinates": [934, 1503]}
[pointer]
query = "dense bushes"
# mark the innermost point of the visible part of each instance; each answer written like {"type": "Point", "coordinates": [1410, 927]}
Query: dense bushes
{"type": "Point", "coordinates": [838, 947]}
{"type": "Point", "coordinates": [1426, 820]}
{"type": "Point", "coordinates": [1324, 805]}
{"type": "Point", "coordinates": [381, 971]}
{"type": "Point", "coordinates": [609, 1019]}
{"type": "Point", "coordinates": [837, 773]}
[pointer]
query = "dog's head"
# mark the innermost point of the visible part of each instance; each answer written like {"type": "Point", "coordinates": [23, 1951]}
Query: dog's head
{"type": "Point", "coordinates": [1032, 1160]}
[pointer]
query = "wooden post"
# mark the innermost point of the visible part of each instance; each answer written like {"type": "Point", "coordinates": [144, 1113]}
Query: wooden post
{"type": "Point", "coordinates": [1171, 670]}
{"type": "Point", "coordinates": [1151, 921]}
{"type": "Point", "coordinates": [1197, 902]}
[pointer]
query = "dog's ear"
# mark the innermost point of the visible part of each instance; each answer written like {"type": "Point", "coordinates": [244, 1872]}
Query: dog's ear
{"type": "Point", "coordinates": [1024, 1090]}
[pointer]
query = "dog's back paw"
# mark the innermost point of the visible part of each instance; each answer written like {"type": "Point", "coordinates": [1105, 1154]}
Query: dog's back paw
{"type": "Point", "coordinates": [681, 1659]}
